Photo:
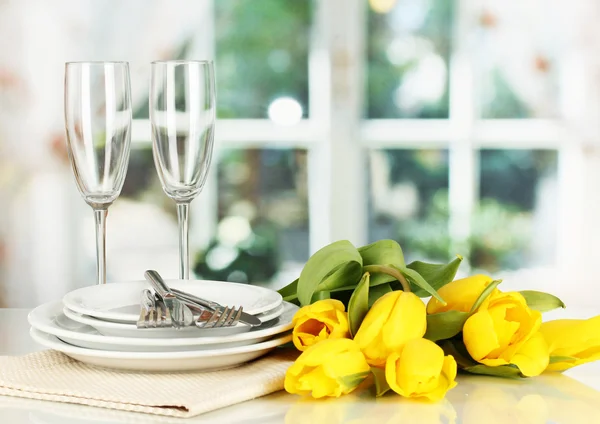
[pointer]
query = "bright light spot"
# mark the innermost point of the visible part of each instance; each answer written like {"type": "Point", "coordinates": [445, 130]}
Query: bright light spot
{"type": "Point", "coordinates": [238, 277]}
{"type": "Point", "coordinates": [285, 111]}
{"type": "Point", "coordinates": [232, 230]}
{"type": "Point", "coordinates": [423, 84]}
{"type": "Point", "coordinates": [221, 257]}
{"type": "Point", "coordinates": [243, 208]}
{"type": "Point", "coordinates": [382, 6]}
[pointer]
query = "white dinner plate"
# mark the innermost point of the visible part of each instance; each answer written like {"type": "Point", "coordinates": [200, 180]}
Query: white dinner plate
{"type": "Point", "coordinates": [49, 318]}
{"type": "Point", "coordinates": [198, 360]}
{"type": "Point", "coordinates": [120, 301]}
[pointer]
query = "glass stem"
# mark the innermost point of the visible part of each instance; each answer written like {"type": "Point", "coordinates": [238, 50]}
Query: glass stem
{"type": "Point", "coordinates": [184, 255]}
{"type": "Point", "coordinates": [100, 215]}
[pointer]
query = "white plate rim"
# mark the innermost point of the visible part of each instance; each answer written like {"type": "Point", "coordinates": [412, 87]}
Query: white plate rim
{"type": "Point", "coordinates": [184, 341]}
{"type": "Point", "coordinates": [53, 342]}
{"type": "Point", "coordinates": [69, 301]}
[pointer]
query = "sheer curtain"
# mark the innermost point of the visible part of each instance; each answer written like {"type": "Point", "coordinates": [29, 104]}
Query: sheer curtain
{"type": "Point", "coordinates": [39, 206]}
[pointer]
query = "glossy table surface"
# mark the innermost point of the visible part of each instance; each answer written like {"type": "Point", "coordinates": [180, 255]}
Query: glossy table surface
{"type": "Point", "coordinates": [573, 397]}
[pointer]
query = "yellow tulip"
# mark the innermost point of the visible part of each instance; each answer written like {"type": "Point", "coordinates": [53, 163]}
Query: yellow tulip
{"type": "Point", "coordinates": [393, 320]}
{"type": "Point", "coordinates": [420, 370]}
{"type": "Point", "coordinates": [459, 295]}
{"type": "Point", "coordinates": [504, 331]}
{"type": "Point", "coordinates": [575, 338]}
{"type": "Point", "coordinates": [322, 320]}
{"type": "Point", "coordinates": [330, 368]}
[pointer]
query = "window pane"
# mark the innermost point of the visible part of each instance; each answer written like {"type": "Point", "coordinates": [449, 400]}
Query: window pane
{"type": "Point", "coordinates": [408, 51]}
{"type": "Point", "coordinates": [518, 60]}
{"type": "Point", "coordinates": [515, 222]}
{"type": "Point", "coordinates": [409, 201]}
{"type": "Point", "coordinates": [262, 233]}
{"type": "Point", "coordinates": [262, 55]}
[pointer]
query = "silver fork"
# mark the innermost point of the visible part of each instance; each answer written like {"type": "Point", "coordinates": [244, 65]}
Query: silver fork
{"type": "Point", "coordinates": [147, 309]}
{"type": "Point", "coordinates": [226, 317]}
{"type": "Point", "coordinates": [163, 313]}
{"type": "Point", "coordinates": [154, 313]}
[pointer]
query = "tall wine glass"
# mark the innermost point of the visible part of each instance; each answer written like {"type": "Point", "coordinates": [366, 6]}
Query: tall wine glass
{"type": "Point", "coordinates": [98, 124]}
{"type": "Point", "coordinates": [182, 113]}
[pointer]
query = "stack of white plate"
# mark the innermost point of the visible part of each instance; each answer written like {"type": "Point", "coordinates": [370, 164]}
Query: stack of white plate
{"type": "Point", "coordinates": [97, 325]}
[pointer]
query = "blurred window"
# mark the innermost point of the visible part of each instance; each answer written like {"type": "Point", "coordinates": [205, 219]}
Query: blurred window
{"type": "Point", "coordinates": [409, 45]}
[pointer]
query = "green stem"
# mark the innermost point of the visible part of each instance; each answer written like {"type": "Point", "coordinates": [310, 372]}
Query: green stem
{"type": "Point", "coordinates": [393, 272]}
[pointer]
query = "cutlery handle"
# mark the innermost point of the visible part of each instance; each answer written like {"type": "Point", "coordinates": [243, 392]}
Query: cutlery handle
{"type": "Point", "coordinates": [147, 300]}
{"type": "Point", "coordinates": [196, 299]}
{"type": "Point", "coordinates": [159, 285]}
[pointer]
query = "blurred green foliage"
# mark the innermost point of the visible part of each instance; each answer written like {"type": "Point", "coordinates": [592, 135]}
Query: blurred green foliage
{"type": "Point", "coordinates": [502, 220]}
{"type": "Point", "coordinates": [384, 77]}
{"type": "Point", "coordinates": [262, 54]}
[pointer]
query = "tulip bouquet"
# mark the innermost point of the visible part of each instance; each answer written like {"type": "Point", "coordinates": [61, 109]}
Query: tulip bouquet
{"type": "Point", "coordinates": [362, 315]}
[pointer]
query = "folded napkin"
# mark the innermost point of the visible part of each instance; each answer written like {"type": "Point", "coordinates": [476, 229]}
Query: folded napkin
{"type": "Point", "coordinates": [51, 375]}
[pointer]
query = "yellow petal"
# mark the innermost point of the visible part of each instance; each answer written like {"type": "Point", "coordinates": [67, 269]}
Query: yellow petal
{"type": "Point", "coordinates": [407, 321]}
{"type": "Point", "coordinates": [579, 339]}
{"type": "Point", "coordinates": [571, 335]}
{"type": "Point", "coordinates": [317, 308]}
{"type": "Point", "coordinates": [479, 335]}
{"type": "Point", "coordinates": [325, 351]}
{"type": "Point", "coordinates": [532, 358]}
{"type": "Point", "coordinates": [460, 294]}
{"type": "Point", "coordinates": [415, 372]}
{"type": "Point", "coordinates": [320, 383]}
{"type": "Point", "coordinates": [391, 374]}
{"type": "Point", "coordinates": [446, 382]}
{"type": "Point", "coordinates": [369, 335]}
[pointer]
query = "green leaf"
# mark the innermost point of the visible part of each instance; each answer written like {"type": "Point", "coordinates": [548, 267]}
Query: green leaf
{"type": "Point", "coordinates": [555, 359]}
{"type": "Point", "coordinates": [289, 292]}
{"type": "Point", "coordinates": [353, 380]}
{"type": "Point", "coordinates": [359, 304]}
{"type": "Point", "coordinates": [320, 295]}
{"type": "Point", "coordinates": [484, 295]}
{"type": "Point", "coordinates": [541, 301]}
{"type": "Point", "coordinates": [506, 371]}
{"type": "Point", "coordinates": [416, 279]}
{"type": "Point", "coordinates": [437, 275]}
{"type": "Point", "coordinates": [382, 252]}
{"type": "Point", "coordinates": [378, 291]}
{"type": "Point", "coordinates": [381, 384]}
{"type": "Point", "coordinates": [457, 349]}
{"type": "Point", "coordinates": [336, 265]}
{"type": "Point", "coordinates": [445, 325]}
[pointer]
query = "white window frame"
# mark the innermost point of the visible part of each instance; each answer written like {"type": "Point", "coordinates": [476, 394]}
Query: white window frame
{"type": "Point", "coordinates": [337, 137]}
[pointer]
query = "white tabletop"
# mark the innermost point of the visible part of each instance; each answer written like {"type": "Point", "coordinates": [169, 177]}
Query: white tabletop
{"type": "Point", "coordinates": [569, 398]}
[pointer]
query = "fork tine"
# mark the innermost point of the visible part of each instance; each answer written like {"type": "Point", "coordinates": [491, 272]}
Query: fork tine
{"type": "Point", "coordinates": [210, 323]}
{"type": "Point", "coordinates": [230, 317]}
{"type": "Point", "coordinates": [143, 319]}
{"type": "Point", "coordinates": [237, 316]}
{"type": "Point", "coordinates": [160, 314]}
{"type": "Point", "coordinates": [151, 317]}
{"type": "Point", "coordinates": [222, 318]}
{"type": "Point", "coordinates": [168, 319]}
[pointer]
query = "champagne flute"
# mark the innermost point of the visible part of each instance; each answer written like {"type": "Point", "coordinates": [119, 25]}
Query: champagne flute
{"type": "Point", "coordinates": [98, 125]}
{"type": "Point", "coordinates": [182, 114]}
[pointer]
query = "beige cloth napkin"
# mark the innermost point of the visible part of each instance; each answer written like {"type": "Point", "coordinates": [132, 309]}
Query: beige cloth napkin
{"type": "Point", "coordinates": [51, 375]}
